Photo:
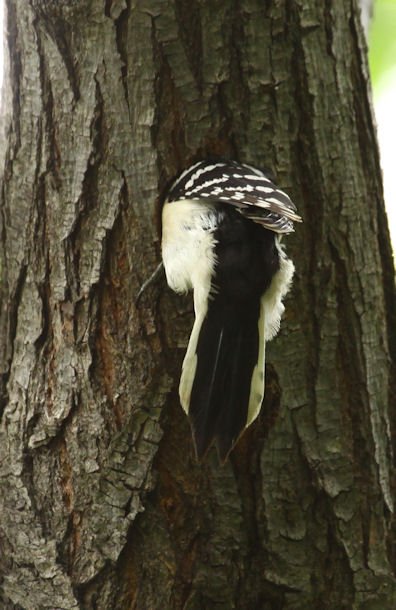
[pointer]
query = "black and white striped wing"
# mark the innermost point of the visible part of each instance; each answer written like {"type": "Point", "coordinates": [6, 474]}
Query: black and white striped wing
{"type": "Point", "coordinates": [246, 188]}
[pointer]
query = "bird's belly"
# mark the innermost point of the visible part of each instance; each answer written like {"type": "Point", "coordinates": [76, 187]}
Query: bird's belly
{"type": "Point", "coordinates": [188, 244]}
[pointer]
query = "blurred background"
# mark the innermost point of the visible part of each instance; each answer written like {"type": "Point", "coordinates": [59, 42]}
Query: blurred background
{"type": "Point", "coordinates": [381, 32]}
{"type": "Point", "coordinates": [382, 58]}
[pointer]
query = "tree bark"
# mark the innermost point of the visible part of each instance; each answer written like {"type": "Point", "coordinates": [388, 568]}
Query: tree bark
{"type": "Point", "coordinates": [366, 12]}
{"type": "Point", "coordinates": [102, 503]}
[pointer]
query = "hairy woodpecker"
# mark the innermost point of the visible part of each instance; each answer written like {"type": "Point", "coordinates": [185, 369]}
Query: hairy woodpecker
{"type": "Point", "coordinates": [221, 228]}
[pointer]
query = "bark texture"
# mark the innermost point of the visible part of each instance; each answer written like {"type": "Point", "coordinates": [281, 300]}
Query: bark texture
{"type": "Point", "coordinates": [102, 504]}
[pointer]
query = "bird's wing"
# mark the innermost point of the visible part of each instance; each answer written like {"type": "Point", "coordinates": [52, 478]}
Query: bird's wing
{"type": "Point", "coordinates": [249, 190]}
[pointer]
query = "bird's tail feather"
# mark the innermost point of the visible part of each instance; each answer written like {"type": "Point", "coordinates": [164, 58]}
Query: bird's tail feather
{"type": "Point", "coordinates": [222, 383]}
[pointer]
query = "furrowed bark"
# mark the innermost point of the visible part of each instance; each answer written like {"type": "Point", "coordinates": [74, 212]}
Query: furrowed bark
{"type": "Point", "coordinates": [102, 503]}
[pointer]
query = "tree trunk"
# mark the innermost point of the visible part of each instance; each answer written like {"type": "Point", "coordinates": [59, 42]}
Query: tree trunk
{"type": "Point", "coordinates": [102, 503]}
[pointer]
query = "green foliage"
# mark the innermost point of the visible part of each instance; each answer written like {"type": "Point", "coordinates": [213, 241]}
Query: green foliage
{"type": "Point", "coordinates": [382, 40]}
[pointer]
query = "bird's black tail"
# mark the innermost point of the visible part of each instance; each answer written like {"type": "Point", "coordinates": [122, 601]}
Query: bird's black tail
{"type": "Point", "coordinates": [222, 384]}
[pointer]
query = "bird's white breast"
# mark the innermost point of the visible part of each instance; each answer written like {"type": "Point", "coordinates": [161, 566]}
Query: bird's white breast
{"type": "Point", "coordinates": [188, 246]}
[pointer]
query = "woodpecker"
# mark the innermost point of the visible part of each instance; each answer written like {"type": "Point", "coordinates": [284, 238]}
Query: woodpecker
{"type": "Point", "coordinates": [222, 223]}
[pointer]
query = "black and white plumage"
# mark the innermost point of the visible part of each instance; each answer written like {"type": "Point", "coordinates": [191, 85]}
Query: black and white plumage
{"type": "Point", "coordinates": [221, 223]}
